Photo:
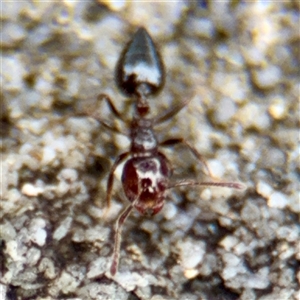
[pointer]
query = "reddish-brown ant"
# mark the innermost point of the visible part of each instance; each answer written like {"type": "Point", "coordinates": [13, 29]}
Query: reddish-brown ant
{"type": "Point", "coordinates": [146, 174]}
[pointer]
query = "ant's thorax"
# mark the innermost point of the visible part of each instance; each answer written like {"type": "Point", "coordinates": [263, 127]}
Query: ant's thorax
{"type": "Point", "coordinates": [143, 138]}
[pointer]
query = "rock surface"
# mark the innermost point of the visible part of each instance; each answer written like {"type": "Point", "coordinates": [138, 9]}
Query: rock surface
{"type": "Point", "coordinates": [238, 61]}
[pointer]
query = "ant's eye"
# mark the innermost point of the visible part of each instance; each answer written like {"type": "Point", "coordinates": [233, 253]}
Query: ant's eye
{"type": "Point", "coordinates": [140, 66]}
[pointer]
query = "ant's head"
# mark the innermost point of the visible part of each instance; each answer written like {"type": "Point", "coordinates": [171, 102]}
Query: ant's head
{"type": "Point", "coordinates": [149, 208]}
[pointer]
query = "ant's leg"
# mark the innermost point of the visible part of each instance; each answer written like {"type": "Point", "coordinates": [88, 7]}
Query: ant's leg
{"type": "Point", "coordinates": [171, 113]}
{"type": "Point", "coordinates": [91, 113]}
{"type": "Point", "coordinates": [111, 106]}
{"type": "Point", "coordinates": [116, 254]}
{"type": "Point", "coordinates": [175, 141]}
{"type": "Point", "coordinates": [94, 113]}
{"type": "Point", "coordinates": [110, 181]}
{"type": "Point", "coordinates": [189, 182]}
{"type": "Point", "coordinates": [106, 125]}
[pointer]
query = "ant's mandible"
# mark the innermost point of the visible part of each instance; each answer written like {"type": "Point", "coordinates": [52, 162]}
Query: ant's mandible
{"type": "Point", "coordinates": [146, 174]}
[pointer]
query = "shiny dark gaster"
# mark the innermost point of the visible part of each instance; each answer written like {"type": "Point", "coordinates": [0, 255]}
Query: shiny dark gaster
{"type": "Point", "coordinates": [140, 63]}
{"type": "Point", "coordinates": [146, 175]}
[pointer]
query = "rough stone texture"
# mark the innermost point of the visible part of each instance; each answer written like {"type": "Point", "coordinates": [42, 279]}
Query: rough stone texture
{"type": "Point", "coordinates": [239, 62]}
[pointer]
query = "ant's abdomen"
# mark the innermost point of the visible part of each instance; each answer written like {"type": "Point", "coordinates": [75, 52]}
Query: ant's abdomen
{"type": "Point", "coordinates": [140, 66]}
{"type": "Point", "coordinates": [143, 142]}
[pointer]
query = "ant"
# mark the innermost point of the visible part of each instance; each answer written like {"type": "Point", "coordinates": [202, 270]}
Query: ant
{"type": "Point", "coordinates": [146, 175]}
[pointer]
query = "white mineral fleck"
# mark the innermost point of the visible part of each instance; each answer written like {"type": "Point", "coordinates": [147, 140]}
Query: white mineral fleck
{"type": "Point", "coordinates": [191, 273]}
{"type": "Point", "coordinates": [3, 290]}
{"type": "Point", "coordinates": [183, 221]}
{"type": "Point", "coordinates": [97, 233]}
{"type": "Point", "coordinates": [98, 213]}
{"type": "Point", "coordinates": [37, 233]}
{"type": "Point", "coordinates": [225, 110]}
{"type": "Point", "coordinates": [264, 189]}
{"type": "Point", "coordinates": [204, 27]}
{"type": "Point", "coordinates": [75, 159]}
{"type": "Point", "coordinates": [59, 144]}
{"type": "Point", "coordinates": [248, 147]}
{"type": "Point", "coordinates": [12, 72]}
{"type": "Point", "coordinates": [170, 210]}
{"type": "Point", "coordinates": [290, 233]}
{"type": "Point", "coordinates": [268, 77]}
{"type": "Point", "coordinates": [101, 291]}
{"type": "Point", "coordinates": [149, 226]}
{"type": "Point", "coordinates": [44, 84]}
{"type": "Point", "coordinates": [62, 188]}
{"type": "Point", "coordinates": [49, 155]}
{"type": "Point", "coordinates": [35, 126]}
{"type": "Point", "coordinates": [191, 253]}
{"type": "Point", "coordinates": [206, 194]}
{"type": "Point", "coordinates": [12, 10]}
{"type": "Point", "coordinates": [225, 221]}
{"type": "Point", "coordinates": [232, 271]}
{"type": "Point", "coordinates": [97, 267]}
{"type": "Point", "coordinates": [78, 236]}
{"type": "Point", "coordinates": [66, 283]}
{"type": "Point", "coordinates": [81, 126]}
{"type": "Point", "coordinates": [245, 117]}
{"type": "Point", "coordinates": [12, 34]}
{"type": "Point", "coordinates": [7, 231]}
{"type": "Point", "coordinates": [286, 277]}
{"type": "Point", "coordinates": [115, 5]}
{"type": "Point", "coordinates": [220, 206]}
{"type": "Point", "coordinates": [233, 266]}
{"type": "Point", "coordinates": [254, 56]}
{"type": "Point", "coordinates": [33, 255]}
{"type": "Point", "coordinates": [229, 242]}
{"type": "Point", "coordinates": [12, 251]}
{"type": "Point", "coordinates": [130, 280]}
{"type": "Point", "coordinates": [41, 34]}
{"type": "Point", "coordinates": [61, 231]}
{"type": "Point", "coordinates": [241, 247]}
{"type": "Point", "coordinates": [231, 259]}
{"type": "Point", "coordinates": [278, 200]}
{"type": "Point", "coordinates": [250, 212]}
{"type": "Point", "coordinates": [278, 108]}
{"type": "Point", "coordinates": [122, 141]}
{"type": "Point", "coordinates": [26, 148]}
{"type": "Point", "coordinates": [31, 190]}
{"type": "Point", "coordinates": [68, 174]}
{"type": "Point", "coordinates": [160, 297]}
{"type": "Point", "coordinates": [287, 254]}
{"type": "Point", "coordinates": [47, 266]}
{"type": "Point", "coordinates": [216, 168]}
{"type": "Point", "coordinates": [259, 280]}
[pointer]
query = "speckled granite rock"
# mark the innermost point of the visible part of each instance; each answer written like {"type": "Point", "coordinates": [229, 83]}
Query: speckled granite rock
{"type": "Point", "coordinates": [239, 64]}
